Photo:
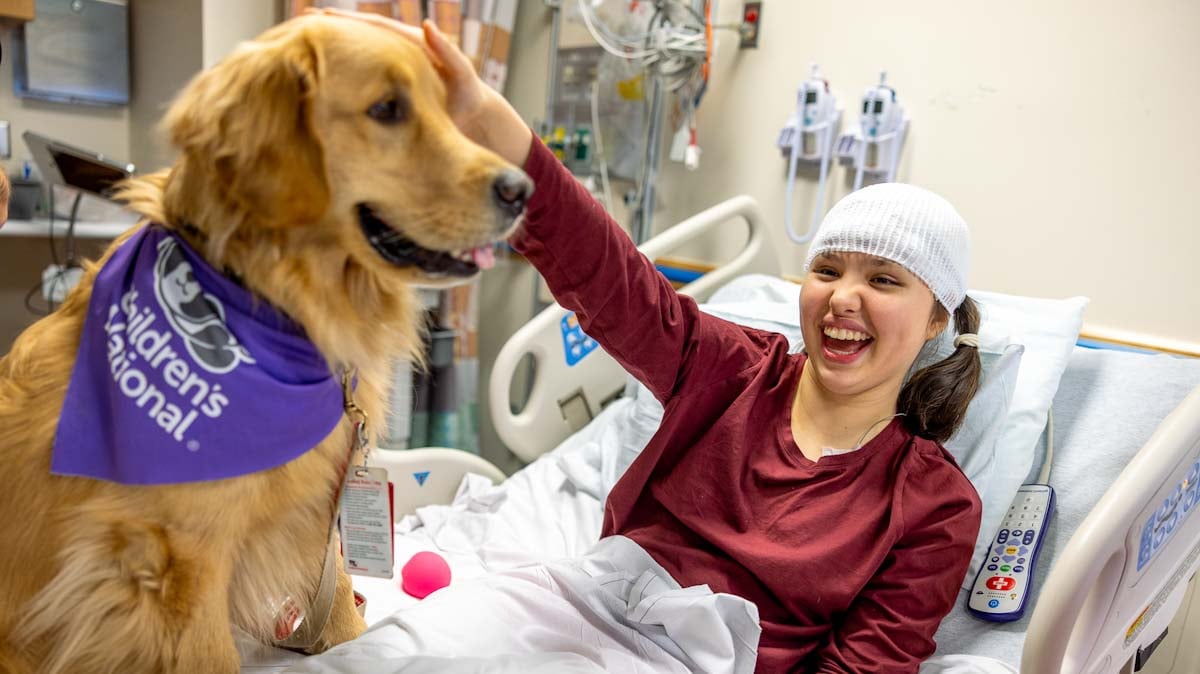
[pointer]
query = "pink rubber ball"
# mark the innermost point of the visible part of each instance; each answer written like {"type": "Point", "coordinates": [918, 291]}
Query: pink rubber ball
{"type": "Point", "coordinates": [425, 573]}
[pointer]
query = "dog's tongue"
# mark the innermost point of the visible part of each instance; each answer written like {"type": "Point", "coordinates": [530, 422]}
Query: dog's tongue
{"type": "Point", "coordinates": [484, 256]}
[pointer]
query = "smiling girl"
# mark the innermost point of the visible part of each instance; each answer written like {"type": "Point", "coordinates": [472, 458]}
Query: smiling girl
{"type": "Point", "coordinates": [812, 485]}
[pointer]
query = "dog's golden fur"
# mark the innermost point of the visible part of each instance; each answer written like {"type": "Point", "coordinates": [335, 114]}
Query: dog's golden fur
{"type": "Point", "coordinates": [276, 151]}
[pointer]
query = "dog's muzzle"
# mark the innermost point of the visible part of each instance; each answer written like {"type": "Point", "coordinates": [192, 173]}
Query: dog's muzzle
{"type": "Point", "coordinates": [404, 252]}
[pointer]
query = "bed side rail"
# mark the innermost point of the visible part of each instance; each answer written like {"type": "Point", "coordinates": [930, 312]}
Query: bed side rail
{"type": "Point", "coordinates": [565, 397]}
{"type": "Point", "coordinates": [1123, 574]}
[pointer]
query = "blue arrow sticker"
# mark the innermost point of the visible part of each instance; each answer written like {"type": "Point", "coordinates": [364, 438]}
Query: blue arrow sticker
{"type": "Point", "coordinates": [421, 477]}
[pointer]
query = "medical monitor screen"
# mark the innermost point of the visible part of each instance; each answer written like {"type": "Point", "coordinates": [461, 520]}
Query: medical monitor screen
{"type": "Point", "coordinates": [878, 106]}
{"type": "Point", "coordinates": [86, 174]}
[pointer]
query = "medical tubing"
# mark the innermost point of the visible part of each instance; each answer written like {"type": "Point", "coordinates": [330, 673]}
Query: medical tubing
{"type": "Point", "coordinates": [604, 183]}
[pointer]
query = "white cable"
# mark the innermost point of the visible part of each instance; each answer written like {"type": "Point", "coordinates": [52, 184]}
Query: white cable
{"type": "Point", "coordinates": [1044, 474]}
{"type": "Point", "coordinates": [602, 41]}
{"type": "Point", "coordinates": [608, 200]}
{"type": "Point", "coordinates": [826, 131]}
{"type": "Point", "coordinates": [862, 147]}
{"type": "Point", "coordinates": [677, 54]}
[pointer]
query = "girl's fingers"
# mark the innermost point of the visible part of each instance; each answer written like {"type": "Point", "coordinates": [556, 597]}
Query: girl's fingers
{"type": "Point", "coordinates": [408, 32]}
{"type": "Point", "coordinates": [455, 61]}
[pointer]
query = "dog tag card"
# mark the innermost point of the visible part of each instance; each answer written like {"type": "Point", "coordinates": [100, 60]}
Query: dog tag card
{"type": "Point", "coordinates": [365, 524]}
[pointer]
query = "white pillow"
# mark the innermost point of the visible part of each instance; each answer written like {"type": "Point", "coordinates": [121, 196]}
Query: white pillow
{"type": "Point", "coordinates": [1048, 329]}
{"type": "Point", "coordinates": [1030, 337]}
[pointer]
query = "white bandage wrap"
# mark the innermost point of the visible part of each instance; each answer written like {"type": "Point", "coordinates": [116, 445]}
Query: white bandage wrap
{"type": "Point", "coordinates": [910, 226]}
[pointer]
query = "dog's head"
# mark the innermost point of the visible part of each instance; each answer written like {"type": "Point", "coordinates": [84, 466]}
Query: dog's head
{"type": "Point", "coordinates": [320, 164]}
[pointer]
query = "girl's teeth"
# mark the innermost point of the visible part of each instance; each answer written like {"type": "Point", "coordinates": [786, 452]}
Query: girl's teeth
{"type": "Point", "coordinates": [846, 335]}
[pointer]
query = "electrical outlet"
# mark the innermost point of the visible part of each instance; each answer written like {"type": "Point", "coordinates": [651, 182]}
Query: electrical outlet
{"type": "Point", "coordinates": [751, 22]}
{"type": "Point", "coordinates": [57, 282]}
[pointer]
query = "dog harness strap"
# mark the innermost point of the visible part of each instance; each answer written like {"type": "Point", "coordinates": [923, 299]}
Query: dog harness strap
{"type": "Point", "coordinates": [317, 618]}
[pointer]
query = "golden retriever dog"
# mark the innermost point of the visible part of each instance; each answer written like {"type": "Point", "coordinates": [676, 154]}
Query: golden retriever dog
{"type": "Point", "coordinates": [319, 169]}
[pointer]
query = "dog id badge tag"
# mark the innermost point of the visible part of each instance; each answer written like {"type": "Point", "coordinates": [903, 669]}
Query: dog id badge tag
{"type": "Point", "coordinates": [365, 524]}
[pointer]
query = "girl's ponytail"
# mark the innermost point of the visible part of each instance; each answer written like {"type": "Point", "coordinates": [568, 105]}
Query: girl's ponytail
{"type": "Point", "coordinates": [935, 399]}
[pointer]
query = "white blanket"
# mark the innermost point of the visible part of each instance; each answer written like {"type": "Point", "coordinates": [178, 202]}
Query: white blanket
{"type": "Point", "coordinates": [508, 609]}
{"type": "Point", "coordinates": [611, 610]}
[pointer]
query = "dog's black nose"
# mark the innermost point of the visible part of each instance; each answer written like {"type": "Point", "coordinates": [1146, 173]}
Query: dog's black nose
{"type": "Point", "coordinates": [511, 190]}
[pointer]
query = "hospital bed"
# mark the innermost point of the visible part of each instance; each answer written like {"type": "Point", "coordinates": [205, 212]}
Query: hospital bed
{"type": "Point", "coordinates": [1120, 550]}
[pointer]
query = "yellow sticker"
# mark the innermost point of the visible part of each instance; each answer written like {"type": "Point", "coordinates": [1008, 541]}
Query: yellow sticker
{"type": "Point", "coordinates": [1137, 623]}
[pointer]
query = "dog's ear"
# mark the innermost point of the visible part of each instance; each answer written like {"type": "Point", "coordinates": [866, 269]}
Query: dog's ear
{"type": "Point", "coordinates": [248, 123]}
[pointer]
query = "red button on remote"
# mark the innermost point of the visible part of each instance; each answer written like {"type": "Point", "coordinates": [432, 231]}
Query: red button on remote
{"type": "Point", "coordinates": [1001, 583]}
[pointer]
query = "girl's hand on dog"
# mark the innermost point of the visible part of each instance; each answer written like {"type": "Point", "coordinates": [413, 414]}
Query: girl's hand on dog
{"type": "Point", "coordinates": [479, 111]}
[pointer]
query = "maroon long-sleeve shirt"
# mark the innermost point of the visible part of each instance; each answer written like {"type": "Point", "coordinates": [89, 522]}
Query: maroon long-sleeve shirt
{"type": "Point", "coordinates": [853, 561]}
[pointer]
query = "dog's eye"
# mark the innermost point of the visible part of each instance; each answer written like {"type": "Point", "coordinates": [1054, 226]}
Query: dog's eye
{"type": "Point", "coordinates": [389, 111]}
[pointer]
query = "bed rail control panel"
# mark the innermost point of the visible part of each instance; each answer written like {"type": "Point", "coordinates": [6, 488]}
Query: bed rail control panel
{"type": "Point", "coordinates": [1002, 587]}
{"type": "Point", "coordinates": [576, 343]}
{"type": "Point", "coordinates": [1162, 524]}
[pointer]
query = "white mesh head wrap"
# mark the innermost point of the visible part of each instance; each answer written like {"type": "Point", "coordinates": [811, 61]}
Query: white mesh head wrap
{"type": "Point", "coordinates": [910, 226]}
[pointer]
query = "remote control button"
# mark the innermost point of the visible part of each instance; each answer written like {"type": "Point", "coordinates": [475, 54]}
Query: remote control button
{"type": "Point", "coordinates": [993, 603]}
{"type": "Point", "coordinates": [1016, 533]}
{"type": "Point", "coordinates": [992, 567]}
{"type": "Point", "coordinates": [1028, 537]}
{"type": "Point", "coordinates": [1003, 537]}
{"type": "Point", "coordinates": [998, 549]}
{"type": "Point", "coordinates": [1006, 568]}
{"type": "Point", "coordinates": [1008, 558]}
{"type": "Point", "coordinates": [995, 559]}
{"type": "Point", "coordinates": [1001, 583]}
{"type": "Point", "coordinates": [1010, 550]}
{"type": "Point", "coordinates": [1019, 569]}
{"type": "Point", "coordinates": [1021, 560]}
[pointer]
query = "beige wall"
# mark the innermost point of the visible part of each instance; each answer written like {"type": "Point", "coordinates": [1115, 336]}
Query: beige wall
{"type": "Point", "coordinates": [1063, 132]}
{"type": "Point", "coordinates": [167, 51]}
{"type": "Point", "coordinates": [228, 22]}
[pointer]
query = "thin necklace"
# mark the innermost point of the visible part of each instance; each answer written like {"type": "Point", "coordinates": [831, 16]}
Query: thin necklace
{"type": "Point", "coordinates": [858, 445]}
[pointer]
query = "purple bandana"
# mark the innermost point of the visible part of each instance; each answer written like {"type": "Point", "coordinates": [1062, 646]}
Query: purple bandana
{"type": "Point", "coordinates": [183, 376]}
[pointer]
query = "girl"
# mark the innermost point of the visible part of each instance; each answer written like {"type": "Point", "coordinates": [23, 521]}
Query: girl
{"type": "Point", "coordinates": [812, 485]}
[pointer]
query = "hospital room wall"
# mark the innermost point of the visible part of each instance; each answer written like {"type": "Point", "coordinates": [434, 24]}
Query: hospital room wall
{"type": "Point", "coordinates": [102, 129]}
{"type": "Point", "coordinates": [168, 45]}
{"type": "Point", "coordinates": [1063, 132]}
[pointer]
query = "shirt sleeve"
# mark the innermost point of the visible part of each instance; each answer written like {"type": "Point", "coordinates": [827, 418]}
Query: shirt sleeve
{"type": "Point", "coordinates": [890, 625]}
{"type": "Point", "coordinates": [593, 268]}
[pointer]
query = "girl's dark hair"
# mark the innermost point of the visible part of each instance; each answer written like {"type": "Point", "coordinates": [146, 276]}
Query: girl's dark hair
{"type": "Point", "coordinates": [935, 399]}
